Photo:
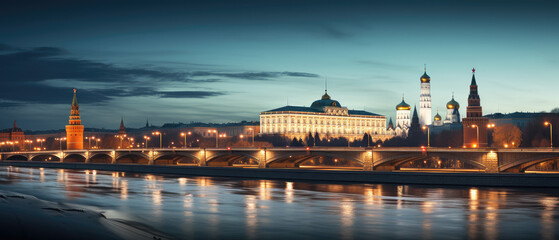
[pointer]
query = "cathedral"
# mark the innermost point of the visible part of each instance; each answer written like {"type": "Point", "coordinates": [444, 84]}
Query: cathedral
{"type": "Point", "coordinates": [403, 119]}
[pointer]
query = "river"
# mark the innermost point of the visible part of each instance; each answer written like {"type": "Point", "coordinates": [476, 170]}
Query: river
{"type": "Point", "coordinates": [219, 208]}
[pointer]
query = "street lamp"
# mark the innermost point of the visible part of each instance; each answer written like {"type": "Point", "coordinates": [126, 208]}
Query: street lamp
{"type": "Point", "coordinates": [60, 141]}
{"type": "Point", "coordinates": [184, 135]}
{"type": "Point", "coordinates": [28, 142]}
{"type": "Point", "coordinates": [131, 141]}
{"type": "Point", "coordinates": [146, 138]}
{"type": "Point", "coordinates": [97, 142]}
{"type": "Point", "coordinates": [550, 133]}
{"type": "Point", "coordinates": [223, 135]}
{"type": "Point", "coordinates": [40, 140]}
{"type": "Point", "coordinates": [428, 135]}
{"type": "Point", "coordinates": [89, 141]}
{"type": "Point", "coordinates": [216, 137]}
{"type": "Point", "coordinates": [477, 135]}
{"type": "Point", "coordinates": [160, 138]}
{"type": "Point", "coordinates": [252, 130]}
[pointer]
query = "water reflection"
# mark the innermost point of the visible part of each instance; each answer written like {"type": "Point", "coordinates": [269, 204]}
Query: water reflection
{"type": "Point", "coordinates": [205, 207]}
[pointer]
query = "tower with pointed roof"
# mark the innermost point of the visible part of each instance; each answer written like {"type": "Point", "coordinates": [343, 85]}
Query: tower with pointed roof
{"type": "Point", "coordinates": [474, 125]}
{"type": "Point", "coordinates": [122, 130]}
{"type": "Point", "coordinates": [74, 130]}
{"type": "Point", "coordinates": [425, 99]}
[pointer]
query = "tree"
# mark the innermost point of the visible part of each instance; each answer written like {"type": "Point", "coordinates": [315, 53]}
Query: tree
{"type": "Point", "coordinates": [507, 135]}
{"type": "Point", "coordinates": [317, 139]}
{"type": "Point", "coordinates": [310, 140]}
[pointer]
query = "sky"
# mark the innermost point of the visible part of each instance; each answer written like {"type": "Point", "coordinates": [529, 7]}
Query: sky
{"type": "Point", "coordinates": [227, 61]}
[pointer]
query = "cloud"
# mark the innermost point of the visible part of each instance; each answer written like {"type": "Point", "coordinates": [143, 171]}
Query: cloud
{"type": "Point", "coordinates": [47, 75]}
{"type": "Point", "coordinates": [189, 94]}
{"type": "Point", "coordinates": [333, 32]}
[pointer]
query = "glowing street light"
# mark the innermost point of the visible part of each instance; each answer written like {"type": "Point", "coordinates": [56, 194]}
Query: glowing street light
{"type": "Point", "coordinates": [40, 140]}
{"type": "Point", "coordinates": [60, 141]}
{"type": "Point", "coordinates": [146, 138]}
{"type": "Point", "coordinates": [160, 138]}
{"type": "Point", "coordinates": [428, 135]}
{"type": "Point", "coordinates": [97, 142]}
{"type": "Point", "coordinates": [550, 133]}
{"type": "Point", "coordinates": [89, 140]}
{"type": "Point", "coordinates": [216, 137]}
{"type": "Point", "coordinates": [477, 134]}
{"type": "Point", "coordinates": [28, 142]}
{"type": "Point", "coordinates": [252, 130]}
{"type": "Point", "coordinates": [184, 135]}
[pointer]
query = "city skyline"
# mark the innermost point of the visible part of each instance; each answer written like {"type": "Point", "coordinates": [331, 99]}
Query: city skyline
{"type": "Point", "coordinates": [173, 65]}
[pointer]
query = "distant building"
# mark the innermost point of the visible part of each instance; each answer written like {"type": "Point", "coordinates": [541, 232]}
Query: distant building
{"type": "Point", "coordinates": [474, 125]}
{"type": "Point", "coordinates": [326, 117]}
{"type": "Point", "coordinates": [425, 100]}
{"type": "Point", "coordinates": [74, 130]}
{"type": "Point", "coordinates": [122, 129]}
{"type": "Point", "coordinates": [13, 135]}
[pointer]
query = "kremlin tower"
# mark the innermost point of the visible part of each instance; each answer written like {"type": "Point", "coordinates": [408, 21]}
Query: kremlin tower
{"type": "Point", "coordinates": [425, 100]}
{"type": "Point", "coordinates": [474, 125]}
{"type": "Point", "coordinates": [74, 130]}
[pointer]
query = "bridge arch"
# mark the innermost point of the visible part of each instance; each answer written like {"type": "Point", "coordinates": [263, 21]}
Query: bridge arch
{"type": "Point", "coordinates": [231, 158]}
{"type": "Point", "coordinates": [440, 160]}
{"type": "Point", "coordinates": [176, 158]}
{"type": "Point", "coordinates": [74, 157]}
{"type": "Point", "coordinates": [101, 158]}
{"type": "Point", "coordinates": [45, 158]}
{"type": "Point", "coordinates": [524, 163]}
{"type": "Point", "coordinates": [132, 158]}
{"type": "Point", "coordinates": [290, 160]}
{"type": "Point", "coordinates": [17, 157]}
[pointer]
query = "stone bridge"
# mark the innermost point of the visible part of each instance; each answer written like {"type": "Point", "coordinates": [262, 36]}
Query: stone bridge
{"type": "Point", "coordinates": [384, 158]}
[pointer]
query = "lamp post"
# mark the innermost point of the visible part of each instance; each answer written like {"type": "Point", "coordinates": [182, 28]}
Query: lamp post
{"type": "Point", "coordinates": [184, 135]}
{"type": "Point", "coordinates": [216, 137]}
{"type": "Point", "coordinates": [223, 135]}
{"type": "Point", "coordinates": [89, 141]}
{"type": "Point", "coordinates": [131, 141]}
{"type": "Point", "coordinates": [160, 138]}
{"type": "Point", "coordinates": [146, 139]}
{"type": "Point", "coordinates": [40, 140]}
{"type": "Point", "coordinates": [252, 130]}
{"type": "Point", "coordinates": [550, 133]}
{"type": "Point", "coordinates": [428, 135]}
{"type": "Point", "coordinates": [477, 135]}
{"type": "Point", "coordinates": [97, 142]}
{"type": "Point", "coordinates": [241, 136]}
{"type": "Point", "coordinates": [60, 141]}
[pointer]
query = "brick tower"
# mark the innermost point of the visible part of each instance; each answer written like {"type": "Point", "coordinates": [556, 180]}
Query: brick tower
{"type": "Point", "coordinates": [474, 125]}
{"type": "Point", "coordinates": [74, 130]}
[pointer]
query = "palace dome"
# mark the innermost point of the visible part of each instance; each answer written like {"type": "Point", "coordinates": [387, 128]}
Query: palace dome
{"type": "Point", "coordinates": [438, 117]}
{"type": "Point", "coordinates": [425, 78]}
{"type": "Point", "coordinates": [403, 106]}
{"type": "Point", "coordinates": [452, 104]}
{"type": "Point", "coordinates": [325, 101]}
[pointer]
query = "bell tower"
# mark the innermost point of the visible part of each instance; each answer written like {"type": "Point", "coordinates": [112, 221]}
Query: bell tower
{"type": "Point", "coordinates": [74, 129]}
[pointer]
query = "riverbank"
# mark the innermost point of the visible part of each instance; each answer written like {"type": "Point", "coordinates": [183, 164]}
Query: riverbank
{"type": "Point", "coordinates": [423, 178]}
{"type": "Point", "coordinates": [27, 217]}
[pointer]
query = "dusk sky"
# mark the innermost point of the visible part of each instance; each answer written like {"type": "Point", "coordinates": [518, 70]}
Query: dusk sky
{"type": "Point", "coordinates": [227, 61]}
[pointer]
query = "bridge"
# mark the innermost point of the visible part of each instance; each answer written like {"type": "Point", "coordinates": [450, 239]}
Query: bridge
{"type": "Point", "coordinates": [368, 159]}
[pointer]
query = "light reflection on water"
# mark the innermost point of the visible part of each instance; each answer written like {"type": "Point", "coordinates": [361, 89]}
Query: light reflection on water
{"type": "Point", "coordinates": [206, 207]}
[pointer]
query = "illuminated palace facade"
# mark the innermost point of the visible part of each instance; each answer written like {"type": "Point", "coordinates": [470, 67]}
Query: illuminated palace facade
{"type": "Point", "coordinates": [325, 117]}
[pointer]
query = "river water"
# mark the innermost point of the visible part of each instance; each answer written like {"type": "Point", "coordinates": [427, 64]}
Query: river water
{"type": "Point", "coordinates": [190, 207]}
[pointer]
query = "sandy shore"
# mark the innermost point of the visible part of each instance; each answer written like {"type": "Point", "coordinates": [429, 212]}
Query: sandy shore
{"type": "Point", "coordinates": [27, 217]}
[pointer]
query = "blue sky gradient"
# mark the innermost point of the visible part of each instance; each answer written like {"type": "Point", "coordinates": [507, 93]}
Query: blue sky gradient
{"type": "Point", "coordinates": [222, 61]}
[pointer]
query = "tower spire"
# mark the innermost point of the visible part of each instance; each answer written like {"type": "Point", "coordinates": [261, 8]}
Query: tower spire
{"type": "Point", "coordinates": [15, 124]}
{"type": "Point", "coordinates": [326, 85]}
{"type": "Point", "coordinates": [122, 129]}
{"type": "Point", "coordinates": [425, 67]}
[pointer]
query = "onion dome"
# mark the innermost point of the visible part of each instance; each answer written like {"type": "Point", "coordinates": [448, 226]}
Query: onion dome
{"type": "Point", "coordinates": [438, 117]}
{"type": "Point", "coordinates": [425, 78]}
{"type": "Point", "coordinates": [403, 105]}
{"type": "Point", "coordinates": [325, 101]}
{"type": "Point", "coordinates": [452, 104]}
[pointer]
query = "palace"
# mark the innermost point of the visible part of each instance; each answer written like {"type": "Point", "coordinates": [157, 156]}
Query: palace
{"type": "Point", "coordinates": [326, 117]}
{"type": "Point", "coordinates": [14, 135]}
